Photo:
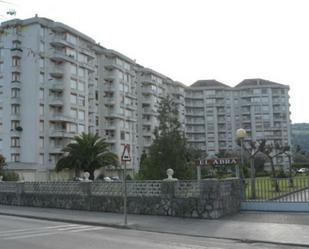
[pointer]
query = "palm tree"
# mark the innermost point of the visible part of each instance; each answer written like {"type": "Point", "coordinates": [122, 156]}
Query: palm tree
{"type": "Point", "coordinates": [86, 152]}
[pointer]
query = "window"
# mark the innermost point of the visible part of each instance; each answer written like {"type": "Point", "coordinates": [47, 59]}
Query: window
{"type": "Point", "coordinates": [81, 128]}
{"type": "Point", "coordinates": [42, 46]}
{"type": "Point", "coordinates": [15, 61]}
{"type": "Point", "coordinates": [73, 128]}
{"type": "Point", "coordinates": [70, 38]}
{"type": "Point", "coordinates": [73, 69]}
{"type": "Point", "coordinates": [15, 92]}
{"type": "Point", "coordinates": [81, 100]}
{"type": "Point", "coordinates": [81, 115]}
{"type": "Point", "coordinates": [15, 157]}
{"type": "Point", "coordinates": [81, 86]}
{"type": "Point", "coordinates": [73, 83]}
{"type": "Point", "coordinates": [41, 142]}
{"type": "Point", "coordinates": [15, 142]}
{"type": "Point", "coordinates": [42, 63]}
{"type": "Point", "coordinates": [41, 126]}
{"type": "Point", "coordinates": [74, 113]}
{"type": "Point", "coordinates": [70, 52]}
{"type": "Point", "coordinates": [41, 94]}
{"type": "Point", "coordinates": [16, 76]}
{"type": "Point", "coordinates": [82, 72]}
{"type": "Point", "coordinates": [15, 109]}
{"type": "Point", "coordinates": [73, 99]}
{"type": "Point", "coordinates": [41, 110]}
{"type": "Point", "coordinates": [82, 58]}
{"type": "Point", "coordinates": [16, 44]}
{"type": "Point", "coordinates": [14, 124]}
{"type": "Point", "coordinates": [122, 135]}
{"type": "Point", "coordinates": [41, 158]}
{"type": "Point", "coordinates": [42, 78]}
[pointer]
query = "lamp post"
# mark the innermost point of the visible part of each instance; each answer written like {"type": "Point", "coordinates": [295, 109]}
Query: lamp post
{"type": "Point", "coordinates": [241, 134]}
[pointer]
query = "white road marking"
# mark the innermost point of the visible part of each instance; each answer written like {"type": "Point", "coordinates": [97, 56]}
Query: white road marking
{"type": "Point", "coordinates": [45, 231]}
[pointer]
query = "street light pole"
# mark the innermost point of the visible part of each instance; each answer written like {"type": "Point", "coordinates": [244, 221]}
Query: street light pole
{"type": "Point", "coordinates": [241, 134]}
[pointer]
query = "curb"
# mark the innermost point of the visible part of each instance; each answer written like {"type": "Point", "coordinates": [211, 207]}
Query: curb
{"type": "Point", "coordinates": [145, 229]}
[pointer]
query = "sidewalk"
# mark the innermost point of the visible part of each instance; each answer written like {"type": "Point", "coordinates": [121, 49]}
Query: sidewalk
{"type": "Point", "coordinates": [282, 228]}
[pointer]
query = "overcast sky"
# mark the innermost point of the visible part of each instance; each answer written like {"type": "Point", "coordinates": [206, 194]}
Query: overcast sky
{"type": "Point", "coordinates": [188, 40]}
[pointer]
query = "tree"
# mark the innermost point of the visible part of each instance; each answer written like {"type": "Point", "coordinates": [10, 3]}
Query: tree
{"type": "Point", "coordinates": [253, 148]}
{"type": "Point", "coordinates": [271, 151]}
{"type": "Point", "coordinates": [86, 152]}
{"type": "Point", "coordinates": [2, 164]}
{"type": "Point", "coordinates": [169, 148]}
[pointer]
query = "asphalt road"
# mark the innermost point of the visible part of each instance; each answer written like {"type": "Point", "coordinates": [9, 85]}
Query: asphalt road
{"type": "Point", "coordinates": [22, 233]}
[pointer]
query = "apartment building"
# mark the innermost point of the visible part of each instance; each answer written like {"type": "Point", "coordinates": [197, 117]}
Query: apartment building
{"type": "Point", "coordinates": [210, 126]}
{"type": "Point", "coordinates": [214, 111]}
{"type": "Point", "coordinates": [48, 92]}
{"type": "Point", "coordinates": [262, 108]}
{"type": "Point", "coordinates": [118, 104]}
{"type": "Point", "coordinates": [56, 82]}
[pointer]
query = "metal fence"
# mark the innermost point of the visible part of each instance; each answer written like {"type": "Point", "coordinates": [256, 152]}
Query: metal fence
{"type": "Point", "coordinates": [294, 189]}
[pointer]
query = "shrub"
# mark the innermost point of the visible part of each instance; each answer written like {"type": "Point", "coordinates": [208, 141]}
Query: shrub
{"type": "Point", "coordinates": [10, 176]}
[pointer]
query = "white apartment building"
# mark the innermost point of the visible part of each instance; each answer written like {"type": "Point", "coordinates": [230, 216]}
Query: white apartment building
{"type": "Point", "coordinates": [49, 92]}
{"type": "Point", "coordinates": [56, 82]}
{"type": "Point", "coordinates": [215, 111]}
{"type": "Point", "coordinates": [118, 104]}
{"type": "Point", "coordinates": [262, 108]}
{"type": "Point", "coordinates": [210, 125]}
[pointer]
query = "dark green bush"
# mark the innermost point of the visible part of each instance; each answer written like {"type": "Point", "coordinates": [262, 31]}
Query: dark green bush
{"type": "Point", "coordinates": [10, 176]}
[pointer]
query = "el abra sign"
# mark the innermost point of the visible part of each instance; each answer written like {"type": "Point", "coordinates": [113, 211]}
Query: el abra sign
{"type": "Point", "coordinates": [216, 162]}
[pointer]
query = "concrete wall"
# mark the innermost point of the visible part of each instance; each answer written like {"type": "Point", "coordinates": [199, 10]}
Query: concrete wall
{"type": "Point", "coordinates": [206, 199]}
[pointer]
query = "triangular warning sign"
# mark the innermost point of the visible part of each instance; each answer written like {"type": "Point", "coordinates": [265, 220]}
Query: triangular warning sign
{"type": "Point", "coordinates": [126, 153]}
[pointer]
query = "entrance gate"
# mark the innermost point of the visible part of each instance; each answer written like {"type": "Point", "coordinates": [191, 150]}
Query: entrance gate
{"type": "Point", "coordinates": [280, 194]}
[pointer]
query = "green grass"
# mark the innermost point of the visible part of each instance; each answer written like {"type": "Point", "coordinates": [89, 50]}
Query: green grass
{"type": "Point", "coordinates": [265, 187]}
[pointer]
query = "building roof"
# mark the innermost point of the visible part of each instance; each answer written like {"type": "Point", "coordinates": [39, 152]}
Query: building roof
{"type": "Point", "coordinates": [258, 82]}
{"type": "Point", "coordinates": [209, 83]}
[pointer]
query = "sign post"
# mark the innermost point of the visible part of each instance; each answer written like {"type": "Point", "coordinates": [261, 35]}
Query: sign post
{"type": "Point", "coordinates": [125, 158]}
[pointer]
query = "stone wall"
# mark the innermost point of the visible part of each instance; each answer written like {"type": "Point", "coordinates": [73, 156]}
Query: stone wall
{"type": "Point", "coordinates": [205, 199]}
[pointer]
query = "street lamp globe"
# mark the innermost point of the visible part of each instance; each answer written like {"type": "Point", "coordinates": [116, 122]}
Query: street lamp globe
{"type": "Point", "coordinates": [241, 133]}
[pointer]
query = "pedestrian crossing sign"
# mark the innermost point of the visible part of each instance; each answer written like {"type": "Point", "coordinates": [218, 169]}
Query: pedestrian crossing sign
{"type": "Point", "coordinates": [126, 153]}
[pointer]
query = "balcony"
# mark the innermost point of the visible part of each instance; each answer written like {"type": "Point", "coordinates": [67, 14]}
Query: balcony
{"type": "Point", "coordinates": [56, 149]}
{"type": "Point", "coordinates": [109, 126]}
{"type": "Point", "coordinates": [15, 100]}
{"type": "Point", "coordinates": [60, 41]}
{"type": "Point", "coordinates": [110, 139]}
{"type": "Point", "coordinates": [108, 88]}
{"type": "Point", "coordinates": [56, 101]}
{"type": "Point", "coordinates": [61, 133]}
{"type": "Point", "coordinates": [57, 71]}
{"type": "Point", "coordinates": [88, 52]}
{"type": "Point", "coordinates": [57, 85]}
{"type": "Point", "coordinates": [16, 68]}
{"type": "Point", "coordinates": [18, 52]}
{"type": "Point", "coordinates": [111, 64]}
{"type": "Point", "coordinates": [61, 56]}
{"type": "Point", "coordinates": [62, 118]}
{"type": "Point", "coordinates": [109, 75]}
{"type": "Point", "coordinates": [88, 65]}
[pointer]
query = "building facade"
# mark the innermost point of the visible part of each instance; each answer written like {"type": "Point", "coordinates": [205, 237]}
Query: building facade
{"type": "Point", "coordinates": [57, 83]}
{"type": "Point", "coordinates": [214, 111]}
